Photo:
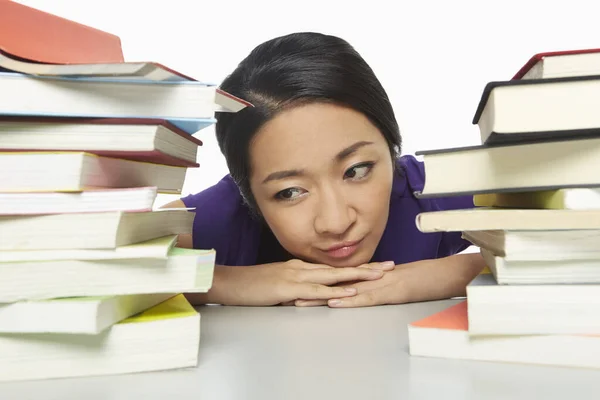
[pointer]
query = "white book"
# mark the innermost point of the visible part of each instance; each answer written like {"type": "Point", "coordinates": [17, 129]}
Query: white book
{"type": "Point", "coordinates": [532, 309]}
{"type": "Point", "coordinates": [74, 315]}
{"type": "Point", "coordinates": [538, 245]}
{"type": "Point", "coordinates": [562, 64]}
{"type": "Point", "coordinates": [536, 166]}
{"type": "Point", "coordinates": [102, 230]}
{"type": "Point", "coordinates": [484, 219]}
{"type": "Point", "coordinates": [166, 336]}
{"type": "Point", "coordinates": [93, 200]}
{"type": "Point", "coordinates": [517, 110]}
{"type": "Point", "coordinates": [77, 171]}
{"type": "Point", "coordinates": [185, 270]}
{"type": "Point", "coordinates": [113, 98]}
{"type": "Point", "coordinates": [143, 71]}
{"type": "Point", "coordinates": [154, 248]}
{"type": "Point", "coordinates": [149, 140]}
{"type": "Point", "coordinates": [532, 272]}
{"type": "Point", "coordinates": [446, 335]}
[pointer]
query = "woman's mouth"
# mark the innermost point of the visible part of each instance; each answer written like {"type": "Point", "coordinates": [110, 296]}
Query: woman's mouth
{"type": "Point", "coordinates": [343, 249]}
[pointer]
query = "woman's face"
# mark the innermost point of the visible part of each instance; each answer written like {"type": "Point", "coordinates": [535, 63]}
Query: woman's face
{"type": "Point", "coordinates": [322, 176]}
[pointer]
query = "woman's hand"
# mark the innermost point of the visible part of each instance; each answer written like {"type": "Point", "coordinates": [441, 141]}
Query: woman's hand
{"type": "Point", "coordinates": [418, 281]}
{"type": "Point", "coordinates": [281, 283]}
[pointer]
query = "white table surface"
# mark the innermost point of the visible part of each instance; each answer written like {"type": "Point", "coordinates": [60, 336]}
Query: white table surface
{"type": "Point", "coordinates": [320, 353]}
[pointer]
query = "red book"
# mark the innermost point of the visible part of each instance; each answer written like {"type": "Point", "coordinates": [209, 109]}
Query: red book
{"type": "Point", "coordinates": [30, 34]}
{"type": "Point", "coordinates": [560, 64]}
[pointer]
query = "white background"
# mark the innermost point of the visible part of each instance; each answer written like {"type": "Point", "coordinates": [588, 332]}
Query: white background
{"type": "Point", "coordinates": [433, 57]}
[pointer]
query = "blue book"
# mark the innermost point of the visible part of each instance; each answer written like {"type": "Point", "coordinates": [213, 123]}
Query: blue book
{"type": "Point", "coordinates": [189, 105]}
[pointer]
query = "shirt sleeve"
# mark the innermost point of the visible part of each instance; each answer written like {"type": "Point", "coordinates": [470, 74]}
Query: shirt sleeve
{"type": "Point", "coordinates": [451, 242]}
{"type": "Point", "coordinates": [223, 223]}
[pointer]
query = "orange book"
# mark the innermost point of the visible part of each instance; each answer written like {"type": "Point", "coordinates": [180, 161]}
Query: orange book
{"type": "Point", "coordinates": [33, 35]}
{"type": "Point", "coordinates": [445, 335]}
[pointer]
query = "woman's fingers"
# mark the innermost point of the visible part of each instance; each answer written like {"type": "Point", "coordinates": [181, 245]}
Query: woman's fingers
{"type": "Point", "coordinates": [310, 303]}
{"type": "Point", "coordinates": [365, 299]}
{"type": "Point", "coordinates": [314, 291]}
{"type": "Point", "coordinates": [384, 266]}
{"type": "Point", "coordinates": [331, 276]}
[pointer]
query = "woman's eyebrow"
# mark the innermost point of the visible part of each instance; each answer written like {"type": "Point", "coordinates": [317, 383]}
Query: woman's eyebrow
{"type": "Point", "coordinates": [350, 150]}
{"type": "Point", "coordinates": [283, 174]}
{"type": "Point", "coordinates": [278, 175]}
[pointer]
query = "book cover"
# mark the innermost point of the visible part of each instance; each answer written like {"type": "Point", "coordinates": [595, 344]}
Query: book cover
{"type": "Point", "coordinates": [34, 35]}
{"type": "Point", "coordinates": [540, 56]}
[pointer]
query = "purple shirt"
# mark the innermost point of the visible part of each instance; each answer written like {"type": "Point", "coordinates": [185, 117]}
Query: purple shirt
{"type": "Point", "coordinates": [224, 223]}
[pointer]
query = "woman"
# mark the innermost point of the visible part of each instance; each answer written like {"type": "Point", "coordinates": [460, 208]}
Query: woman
{"type": "Point", "coordinates": [318, 208]}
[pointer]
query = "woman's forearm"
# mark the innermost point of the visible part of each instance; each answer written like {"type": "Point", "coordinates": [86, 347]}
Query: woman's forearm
{"type": "Point", "coordinates": [441, 278]}
{"type": "Point", "coordinates": [215, 293]}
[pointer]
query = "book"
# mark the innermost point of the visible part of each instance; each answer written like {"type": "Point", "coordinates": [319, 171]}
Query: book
{"type": "Point", "coordinates": [78, 171]}
{"type": "Point", "coordinates": [538, 245]}
{"type": "Point", "coordinates": [92, 200]}
{"type": "Point", "coordinates": [484, 219]}
{"type": "Point", "coordinates": [559, 199]}
{"type": "Point", "coordinates": [543, 271]}
{"type": "Point", "coordinates": [532, 309]}
{"type": "Point", "coordinates": [445, 334]}
{"type": "Point", "coordinates": [183, 271]}
{"type": "Point", "coordinates": [143, 70]}
{"type": "Point", "coordinates": [166, 336]}
{"type": "Point", "coordinates": [562, 63]}
{"type": "Point", "coordinates": [74, 315]}
{"type": "Point", "coordinates": [512, 168]}
{"type": "Point", "coordinates": [95, 97]}
{"type": "Point", "coordinates": [27, 33]}
{"type": "Point", "coordinates": [155, 141]}
{"type": "Point", "coordinates": [529, 110]}
{"type": "Point", "coordinates": [153, 248]}
{"type": "Point", "coordinates": [101, 230]}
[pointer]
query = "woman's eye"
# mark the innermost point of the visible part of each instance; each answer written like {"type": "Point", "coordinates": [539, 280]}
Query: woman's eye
{"type": "Point", "coordinates": [359, 171]}
{"type": "Point", "coordinates": [290, 194]}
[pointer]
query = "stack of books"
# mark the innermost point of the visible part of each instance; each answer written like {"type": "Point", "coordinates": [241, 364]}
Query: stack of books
{"type": "Point", "coordinates": [91, 280]}
{"type": "Point", "coordinates": [535, 184]}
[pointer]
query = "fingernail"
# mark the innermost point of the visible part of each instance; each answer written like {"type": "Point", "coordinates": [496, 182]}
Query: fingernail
{"type": "Point", "coordinates": [387, 264]}
{"type": "Point", "coordinates": [350, 290]}
{"type": "Point", "coordinates": [334, 302]}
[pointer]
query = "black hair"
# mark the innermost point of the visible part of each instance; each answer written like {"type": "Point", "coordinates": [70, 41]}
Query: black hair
{"type": "Point", "coordinates": [296, 69]}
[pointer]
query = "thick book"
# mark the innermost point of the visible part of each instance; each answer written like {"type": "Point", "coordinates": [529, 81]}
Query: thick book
{"type": "Point", "coordinates": [559, 64]}
{"type": "Point", "coordinates": [36, 36]}
{"type": "Point", "coordinates": [543, 272]}
{"type": "Point", "coordinates": [101, 230]}
{"type": "Point", "coordinates": [35, 42]}
{"type": "Point", "coordinates": [148, 140]}
{"type": "Point", "coordinates": [92, 200]}
{"type": "Point", "coordinates": [143, 70]}
{"type": "Point", "coordinates": [183, 271]}
{"type": "Point", "coordinates": [539, 109]}
{"type": "Point", "coordinates": [78, 171]}
{"type": "Point", "coordinates": [512, 167]}
{"type": "Point", "coordinates": [539, 245]}
{"type": "Point", "coordinates": [445, 334]}
{"type": "Point", "coordinates": [153, 248]}
{"type": "Point", "coordinates": [74, 315]}
{"type": "Point", "coordinates": [166, 336]}
{"type": "Point", "coordinates": [182, 103]}
{"type": "Point", "coordinates": [532, 309]}
{"type": "Point", "coordinates": [558, 199]}
{"type": "Point", "coordinates": [483, 219]}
